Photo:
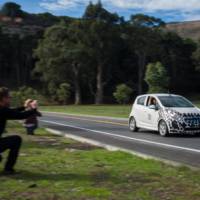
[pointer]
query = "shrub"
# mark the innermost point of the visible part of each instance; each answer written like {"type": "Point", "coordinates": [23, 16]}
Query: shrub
{"type": "Point", "coordinates": [122, 93]}
{"type": "Point", "coordinates": [63, 93]}
{"type": "Point", "coordinates": [18, 97]}
{"type": "Point", "coordinates": [157, 78]}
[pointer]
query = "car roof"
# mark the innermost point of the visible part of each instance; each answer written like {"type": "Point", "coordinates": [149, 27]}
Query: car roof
{"type": "Point", "coordinates": [158, 94]}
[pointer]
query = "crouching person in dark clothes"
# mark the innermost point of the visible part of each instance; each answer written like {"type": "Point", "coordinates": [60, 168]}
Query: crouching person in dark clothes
{"type": "Point", "coordinates": [11, 143]}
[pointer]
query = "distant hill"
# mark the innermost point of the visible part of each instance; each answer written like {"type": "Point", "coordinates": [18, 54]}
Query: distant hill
{"type": "Point", "coordinates": [190, 29]}
{"type": "Point", "coordinates": [29, 24]}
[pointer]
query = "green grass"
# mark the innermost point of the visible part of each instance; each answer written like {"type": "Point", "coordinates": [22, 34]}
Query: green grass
{"type": "Point", "coordinates": [54, 168]}
{"type": "Point", "coordinates": [102, 110]}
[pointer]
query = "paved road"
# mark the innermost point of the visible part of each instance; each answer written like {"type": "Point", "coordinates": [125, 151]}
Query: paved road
{"type": "Point", "coordinates": [182, 149]}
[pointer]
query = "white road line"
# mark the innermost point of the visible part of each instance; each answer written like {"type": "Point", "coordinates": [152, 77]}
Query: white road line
{"type": "Point", "coordinates": [124, 137]}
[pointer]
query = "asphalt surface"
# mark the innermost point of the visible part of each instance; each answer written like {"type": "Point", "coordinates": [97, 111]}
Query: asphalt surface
{"type": "Point", "coordinates": [115, 132]}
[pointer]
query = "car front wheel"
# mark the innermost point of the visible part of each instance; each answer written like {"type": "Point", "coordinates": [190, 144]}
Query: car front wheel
{"type": "Point", "coordinates": [163, 129]}
{"type": "Point", "coordinates": [132, 125]}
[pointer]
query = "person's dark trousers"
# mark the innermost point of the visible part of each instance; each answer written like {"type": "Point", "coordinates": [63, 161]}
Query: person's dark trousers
{"type": "Point", "coordinates": [30, 130]}
{"type": "Point", "coordinates": [13, 144]}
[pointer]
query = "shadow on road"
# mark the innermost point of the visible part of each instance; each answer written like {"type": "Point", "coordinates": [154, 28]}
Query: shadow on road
{"type": "Point", "coordinates": [172, 135]}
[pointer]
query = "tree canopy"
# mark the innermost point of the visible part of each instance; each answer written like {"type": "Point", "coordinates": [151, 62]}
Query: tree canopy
{"type": "Point", "coordinates": [157, 78]}
{"type": "Point", "coordinates": [11, 9]}
{"type": "Point", "coordinates": [94, 54]}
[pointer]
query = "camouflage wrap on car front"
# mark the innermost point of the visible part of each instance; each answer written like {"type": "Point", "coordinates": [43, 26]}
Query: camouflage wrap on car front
{"type": "Point", "coordinates": [180, 122]}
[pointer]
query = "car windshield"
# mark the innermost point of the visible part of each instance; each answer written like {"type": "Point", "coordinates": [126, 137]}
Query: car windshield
{"type": "Point", "coordinates": [175, 101]}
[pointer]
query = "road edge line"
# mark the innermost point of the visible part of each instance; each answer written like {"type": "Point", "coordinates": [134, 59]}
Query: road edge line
{"type": "Point", "coordinates": [115, 148]}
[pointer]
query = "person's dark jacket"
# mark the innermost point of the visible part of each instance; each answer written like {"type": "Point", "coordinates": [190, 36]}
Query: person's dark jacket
{"type": "Point", "coordinates": [32, 119]}
{"type": "Point", "coordinates": [13, 114]}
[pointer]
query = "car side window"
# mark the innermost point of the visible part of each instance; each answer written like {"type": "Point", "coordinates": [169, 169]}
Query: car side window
{"type": "Point", "coordinates": [141, 101]}
{"type": "Point", "coordinates": [152, 101]}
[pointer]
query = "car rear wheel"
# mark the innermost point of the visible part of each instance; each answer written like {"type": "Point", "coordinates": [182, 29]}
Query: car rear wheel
{"type": "Point", "coordinates": [163, 129]}
{"type": "Point", "coordinates": [132, 125]}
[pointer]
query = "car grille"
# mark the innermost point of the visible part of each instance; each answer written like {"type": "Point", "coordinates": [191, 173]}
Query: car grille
{"type": "Point", "coordinates": [192, 121]}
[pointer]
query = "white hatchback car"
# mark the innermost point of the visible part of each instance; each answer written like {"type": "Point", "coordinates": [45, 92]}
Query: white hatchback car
{"type": "Point", "coordinates": [165, 113]}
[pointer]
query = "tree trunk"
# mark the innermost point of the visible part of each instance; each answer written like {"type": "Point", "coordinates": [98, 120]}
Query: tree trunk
{"type": "Point", "coordinates": [78, 99]}
{"type": "Point", "coordinates": [18, 77]}
{"type": "Point", "coordinates": [100, 90]}
{"type": "Point", "coordinates": [17, 64]}
{"type": "Point", "coordinates": [141, 71]}
{"type": "Point", "coordinates": [140, 81]}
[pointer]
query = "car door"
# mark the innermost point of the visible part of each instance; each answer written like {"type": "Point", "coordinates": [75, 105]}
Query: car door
{"type": "Point", "coordinates": [139, 110]}
{"type": "Point", "coordinates": [152, 115]}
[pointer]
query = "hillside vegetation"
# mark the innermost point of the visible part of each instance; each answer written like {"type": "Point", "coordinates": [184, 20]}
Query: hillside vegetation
{"type": "Point", "coordinates": [97, 58]}
{"type": "Point", "coordinates": [190, 29]}
{"type": "Point", "coordinates": [29, 24]}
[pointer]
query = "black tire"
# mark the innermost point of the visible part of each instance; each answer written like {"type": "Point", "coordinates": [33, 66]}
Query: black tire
{"type": "Point", "coordinates": [132, 125]}
{"type": "Point", "coordinates": [163, 129]}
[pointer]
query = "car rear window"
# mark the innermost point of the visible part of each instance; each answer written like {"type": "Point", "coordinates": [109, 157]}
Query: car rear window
{"type": "Point", "coordinates": [141, 100]}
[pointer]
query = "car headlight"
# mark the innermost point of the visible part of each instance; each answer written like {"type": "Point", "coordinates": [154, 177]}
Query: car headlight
{"type": "Point", "coordinates": [174, 114]}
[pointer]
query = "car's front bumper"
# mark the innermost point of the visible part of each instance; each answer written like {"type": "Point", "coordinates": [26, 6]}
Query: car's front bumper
{"type": "Point", "coordinates": [196, 131]}
{"type": "Point", "coordinates": [183, 128]}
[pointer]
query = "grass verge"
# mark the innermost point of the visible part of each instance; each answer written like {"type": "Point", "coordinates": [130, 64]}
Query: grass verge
{"type": "Point", "coordinates": [122, 111]}
{"type": "Point", "coordinates": [55, 168]}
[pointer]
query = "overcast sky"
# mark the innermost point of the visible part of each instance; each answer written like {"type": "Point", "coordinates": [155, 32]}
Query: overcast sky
{"type": "Point", "coordinates": [168, 10]}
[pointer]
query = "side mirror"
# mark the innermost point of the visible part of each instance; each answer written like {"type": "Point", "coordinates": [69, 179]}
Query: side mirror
{"type": "Point", "coordinates": [153, 107]}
